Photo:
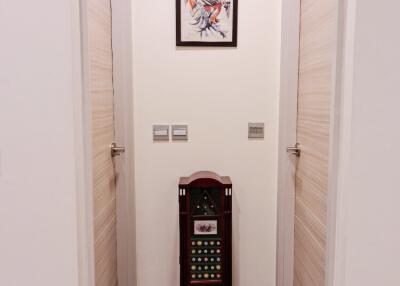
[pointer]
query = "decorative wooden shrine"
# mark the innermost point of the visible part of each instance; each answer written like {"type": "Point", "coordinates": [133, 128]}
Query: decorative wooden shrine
{"type": "Point", "coordinates": [205, 216]}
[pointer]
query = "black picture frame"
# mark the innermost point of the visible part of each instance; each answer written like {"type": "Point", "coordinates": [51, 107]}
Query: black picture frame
{"type": "Point", "coordinates": [180, 43]}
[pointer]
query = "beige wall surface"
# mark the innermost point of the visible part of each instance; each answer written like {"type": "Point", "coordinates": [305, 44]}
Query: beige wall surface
{"type": "Point", "coordinates": [216, 91]}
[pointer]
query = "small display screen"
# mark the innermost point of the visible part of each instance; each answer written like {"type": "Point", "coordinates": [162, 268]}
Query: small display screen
{"type": "Point", "coordinates": [205, 227]}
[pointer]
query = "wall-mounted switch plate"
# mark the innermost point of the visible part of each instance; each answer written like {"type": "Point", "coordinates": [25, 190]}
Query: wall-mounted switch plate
{"type": "Point", "coordinates": [256, 130]}
{"type": "Point", "coordinates": [180, 132]}
{"type": "Point", "coordinates": [160, 133]}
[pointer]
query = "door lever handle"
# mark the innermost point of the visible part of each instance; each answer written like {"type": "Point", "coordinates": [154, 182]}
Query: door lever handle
{"type": "Point", "coordinates": [115, 150]}
{"type": "Point", "coordinates": [296, 150]}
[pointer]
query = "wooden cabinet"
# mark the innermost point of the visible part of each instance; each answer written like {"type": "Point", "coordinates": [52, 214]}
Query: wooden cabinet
{"type": "Point", "coordinates": [205, 216]}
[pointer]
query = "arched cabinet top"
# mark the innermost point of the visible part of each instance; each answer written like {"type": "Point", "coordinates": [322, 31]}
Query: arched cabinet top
{"type": "Point", "coordinates": [205, 178]}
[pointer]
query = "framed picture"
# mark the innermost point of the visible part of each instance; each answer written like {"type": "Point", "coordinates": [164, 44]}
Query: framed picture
{"type": "Point", "coordinates": [206, 23]}
{"type": "Point", "coordinates": [205, 227]}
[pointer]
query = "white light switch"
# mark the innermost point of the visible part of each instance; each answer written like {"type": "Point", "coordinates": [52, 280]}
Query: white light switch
{"type": "Point", "coordinates": [160, 132]}
{"type": "Point", "coordinates": [256, 130]}
{"type": "Point", "coordinates": [179, 132]}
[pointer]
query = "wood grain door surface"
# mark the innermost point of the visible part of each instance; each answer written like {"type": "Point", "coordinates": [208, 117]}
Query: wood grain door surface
{"type": "Point", "coordinates": [102, 104]}
{"type": "Point", "coordinates": [315, 91]}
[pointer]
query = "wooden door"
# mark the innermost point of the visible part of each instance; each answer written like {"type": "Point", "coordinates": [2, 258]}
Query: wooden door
{"type": "Point", "coordinates": [102, 103]}
{"type": "Point", "coordinates": [315, 92]}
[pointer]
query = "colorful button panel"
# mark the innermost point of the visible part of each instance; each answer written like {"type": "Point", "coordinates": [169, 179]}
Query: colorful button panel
{"type": "Point", "coordinates": [206, 260]}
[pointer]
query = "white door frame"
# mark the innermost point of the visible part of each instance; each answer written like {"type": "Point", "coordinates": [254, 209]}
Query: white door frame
{"type": "Point", "coordinates": [122, 46]}
{"type": "Point", "coordinates": [341, 114]}
{"type": "Point", "coordinates": [287, 137]}
{"type": "Point", "coordinates": [123, 104]}
{"type": "Point", "coordinates": [83, 147]}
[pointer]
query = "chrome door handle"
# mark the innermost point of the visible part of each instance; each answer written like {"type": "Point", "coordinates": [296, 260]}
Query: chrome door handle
{"type": "Point", "coordinates": [115, 150]}
{"type": "Point", "coordinates": [296, 150]}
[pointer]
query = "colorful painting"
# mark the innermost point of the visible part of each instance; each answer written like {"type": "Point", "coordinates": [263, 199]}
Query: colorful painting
{"type": "Point", "coordinates": [205, 227]}
{"type": "Point", "coordinates": [207, 23]}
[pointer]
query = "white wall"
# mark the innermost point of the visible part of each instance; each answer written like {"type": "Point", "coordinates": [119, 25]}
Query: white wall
{"type": "Point", "coordinates": [38, 223]}
{"type": "Point", "coordinates": [216, 92]}
{"type": "Point", "coordinates": [369, 188]}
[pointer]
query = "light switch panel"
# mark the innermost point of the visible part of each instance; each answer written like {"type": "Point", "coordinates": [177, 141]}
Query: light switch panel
{"type": "Point", "coordinates": [256, 130]}
{"type": "Point", "coordinates": [160, 132]}
{"type": "Point", "coordinates": [180, 132]}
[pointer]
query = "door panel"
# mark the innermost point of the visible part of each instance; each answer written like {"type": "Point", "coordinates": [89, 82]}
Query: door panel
{"type": "Point", "coordinates": [313, 126]}
{"type": "Point", "coordinates": [102, 103]}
